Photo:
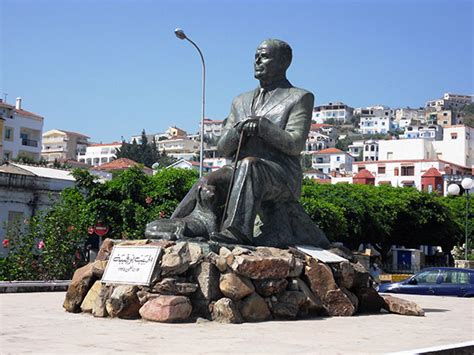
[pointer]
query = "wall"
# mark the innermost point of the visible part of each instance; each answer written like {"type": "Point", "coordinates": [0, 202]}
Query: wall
{"type": "Point", "coordinates": [27, 195]}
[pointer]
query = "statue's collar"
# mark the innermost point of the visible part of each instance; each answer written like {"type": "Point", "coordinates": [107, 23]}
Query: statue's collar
{"type": "Point", "coordinates": [275, 85]}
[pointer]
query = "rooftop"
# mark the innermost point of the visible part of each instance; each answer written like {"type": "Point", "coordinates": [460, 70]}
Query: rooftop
{"type": "Point", "coordinates": [121, 164]}
{"type": "Point", "coordinates": [20, 111]}
{"type": "Point", "coordinates": [331, 151]}
{"type": "Point", "coordinates": [40, 171]}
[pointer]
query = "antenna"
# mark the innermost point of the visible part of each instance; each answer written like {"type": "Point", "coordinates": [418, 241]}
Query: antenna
{"type": "Point", "coordinates": [5, 97]}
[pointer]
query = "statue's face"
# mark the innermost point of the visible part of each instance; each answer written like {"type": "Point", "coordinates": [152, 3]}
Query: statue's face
{"type": "Point", "coordinates": [268, 64]}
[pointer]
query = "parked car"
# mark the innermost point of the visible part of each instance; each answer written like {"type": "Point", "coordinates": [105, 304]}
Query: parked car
{"type": "Point", "coordinates": [440, 281]}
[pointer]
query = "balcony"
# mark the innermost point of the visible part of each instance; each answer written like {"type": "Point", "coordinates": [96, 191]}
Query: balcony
{"type": "Point", "coordinates": [29, 142]}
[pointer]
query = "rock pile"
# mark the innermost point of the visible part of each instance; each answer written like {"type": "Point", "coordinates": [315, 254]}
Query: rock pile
{"type": "Point", "coordinates": [231, 284]}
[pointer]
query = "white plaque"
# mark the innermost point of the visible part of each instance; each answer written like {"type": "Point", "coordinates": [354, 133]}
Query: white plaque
{"type": "Point", "coordinates": [131, 265]}
{"type": "Point", "coordinates": [320, 254]}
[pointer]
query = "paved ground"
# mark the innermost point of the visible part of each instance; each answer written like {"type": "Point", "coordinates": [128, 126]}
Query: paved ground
{"type": "Point", "coordinates": [36, 323]}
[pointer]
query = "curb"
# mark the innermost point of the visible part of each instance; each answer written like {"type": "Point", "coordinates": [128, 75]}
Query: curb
{"type": "Point", "coordinates": [33, 286]}
{"type": "Point", "coordinates": [451, 349]}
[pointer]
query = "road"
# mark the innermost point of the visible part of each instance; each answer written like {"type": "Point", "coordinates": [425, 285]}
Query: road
{"type": "Point", "coordinates": [36, 323]}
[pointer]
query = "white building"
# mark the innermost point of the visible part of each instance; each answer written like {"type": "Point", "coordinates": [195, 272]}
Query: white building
{"type": "Point", "coordinates": [376, 119]}
{"type": "Point", "coordinates": [356, 149]}
{"type": "Point", "coordinates": [212, 128]}
{"type": "Point", "coordinates": [318, 141]}
{"type": "Point", "coordinates": [171, 132]}
{"type": "Point", "coordinates": [365, 150]}
{"type": "Point", "coordinates": [98, 154]}
{"type": "Point", "coordinates": [61, 145]}
{"type": "Point", "coordinates": [25, 190]}
{"type": "Point", "coordinates": [408, 172]}
{"type": "Point", "coordinates": [430, 131]}
{"type": "Point", "coordinates": [450, 101]}
{"type": "Point", "coordinates": [332, 160]}
{"type": "Point", "coordinates": [180, 148]}
{"type": "Point", "coordinates": [21, 136]}
{"type": "Point", "coordinates": [338, 111]}
{"type": "Point", "coordinates": [457, 146]}
{"type": "Point", "coordinates": [189, 164]}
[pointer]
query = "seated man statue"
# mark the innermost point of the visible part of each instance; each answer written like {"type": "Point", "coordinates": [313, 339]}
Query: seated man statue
{"type": "Point", "coordinates": [265, 134]}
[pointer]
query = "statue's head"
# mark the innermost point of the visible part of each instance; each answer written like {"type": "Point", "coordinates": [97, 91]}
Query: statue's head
{"type": "Point", "coordinates": [272, 59]}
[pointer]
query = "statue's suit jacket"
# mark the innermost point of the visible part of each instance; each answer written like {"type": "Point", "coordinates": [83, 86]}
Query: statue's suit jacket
{"type": "Point", "coordinates": [282, 132]}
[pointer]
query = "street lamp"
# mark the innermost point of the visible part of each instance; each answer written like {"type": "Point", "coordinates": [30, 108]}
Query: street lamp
{"type": "Point", "coordinates": [453, 189]}
{"type": "Point", "coordinates": [181, 35]}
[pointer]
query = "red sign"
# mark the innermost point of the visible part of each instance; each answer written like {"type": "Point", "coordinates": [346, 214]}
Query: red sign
{"type": "Point", "coordinates": [101, 230]}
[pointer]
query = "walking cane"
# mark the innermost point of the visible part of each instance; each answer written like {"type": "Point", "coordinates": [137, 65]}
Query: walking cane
{"type": "Point", "coordinates": [231, 184]}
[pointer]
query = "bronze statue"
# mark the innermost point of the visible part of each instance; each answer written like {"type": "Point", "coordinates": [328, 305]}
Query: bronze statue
{"type": "Point", "coordinates": [268, 128]}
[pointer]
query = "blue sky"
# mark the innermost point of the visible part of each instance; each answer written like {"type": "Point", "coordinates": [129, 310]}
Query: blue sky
{"type": "Point", "coordinates": [110, 68]}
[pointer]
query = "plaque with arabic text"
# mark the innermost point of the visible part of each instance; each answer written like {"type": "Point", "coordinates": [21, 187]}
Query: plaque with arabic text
{"type": "Point", "coordinates": [131, 265]}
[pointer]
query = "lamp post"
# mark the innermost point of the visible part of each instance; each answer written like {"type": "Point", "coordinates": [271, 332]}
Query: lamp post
{"type": "Point", "coordinates": [181, 35]}
{"type": "Point", "coordinates": [453, 189]}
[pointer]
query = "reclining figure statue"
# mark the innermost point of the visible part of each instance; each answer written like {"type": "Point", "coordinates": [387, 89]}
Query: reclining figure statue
{"type": "Point", "coordinates": [265, 134]}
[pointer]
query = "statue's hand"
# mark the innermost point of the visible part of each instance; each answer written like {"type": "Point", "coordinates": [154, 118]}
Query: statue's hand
{"type": "Point", "coordinates": [249, 126]}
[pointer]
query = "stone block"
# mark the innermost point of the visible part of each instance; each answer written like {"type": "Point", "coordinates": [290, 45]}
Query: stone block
{"type": "Point", "coordinates": [287, 304]}
{"type": "Point", "coordinates": [173, 286]}
{"type": "Point", "coordinates": [345, 275]}
{"type": "Point", "coordinates": [235, 286]}
{"type": "Point", "coordinates": [401, 306]}
{"type": "Point", "coordinates": [254, 309]}
{"type": "Point", "coordinates": [361, 276]}
{"type": "Point", "coordinates": [226, 311]}
{"type": "Point", "coordinates": [91, 297]}
{"type": "Point", "coordinates": [123, 302]}
{"type": "Point", "coordinates": [81, 282]}
{"type": "Point", "coordinates": [369, 300]}
{"type": "Point", "coordinates": [99, 306]}
{"type": "Point", "coordinates": [176, 259]}
{"type": "Point", "coordinates": [207, 277]}
{"type": "Point", "coordinates": [337, 303]}
{"type": "Point", "coordinates": [257, 267]}
{"type": "Point", "coordinates": [268, 287]}
{"type": "Point", "coordinates": [167, 309]}
{"type": "Point", "coordinates": [320, 278]}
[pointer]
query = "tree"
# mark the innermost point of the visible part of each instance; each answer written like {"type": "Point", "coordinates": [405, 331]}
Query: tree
{"type": "Point", "coordinates": [382, 215]}
{"type": "Point", "coordinates": [343, 144]}
{"type": "Point", "coordinates": [145, 153]}
{"type": "Point", "coordinates": [306, 162]}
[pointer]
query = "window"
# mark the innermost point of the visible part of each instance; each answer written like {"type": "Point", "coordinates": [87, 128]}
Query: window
{"type": "Point", "coordinates": [338, 158]}
{"type": "Point", "coordinates": [389, 155]}
{"type": "Point", "coordinates": [381, 170]}
{"type": "Point", "coordinates": [408, 171]}
{"type": "Point", "coordinates": [429, 277]}
{"type": "Point", "coordinates": [372, 148]}
{"type": "Point", "coordinates": [7, 155]}
{"type": "Point", "coordinates": [8, 133]}
{"type": "Point", "coordinates": [453, 277]}
{"type": "Point", "coordinates": [454, 136]}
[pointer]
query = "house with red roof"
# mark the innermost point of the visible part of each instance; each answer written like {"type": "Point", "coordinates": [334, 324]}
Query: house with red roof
{"type": "Point", "coordinates": [332, 161]}
{"type": "Point", "coordinates": [122, 164]}
{"type": "Point", "coordinates": [20, 132]}
{"type": "Point", "coordinates": [97, 154]}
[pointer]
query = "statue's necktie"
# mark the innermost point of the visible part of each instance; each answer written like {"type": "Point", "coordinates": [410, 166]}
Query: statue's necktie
{"type": "Point", "coordinates": [260, 100]}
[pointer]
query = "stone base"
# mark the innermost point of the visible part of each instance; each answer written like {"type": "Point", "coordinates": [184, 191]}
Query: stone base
{"type": "Point", "coordinates": [228, 284]}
